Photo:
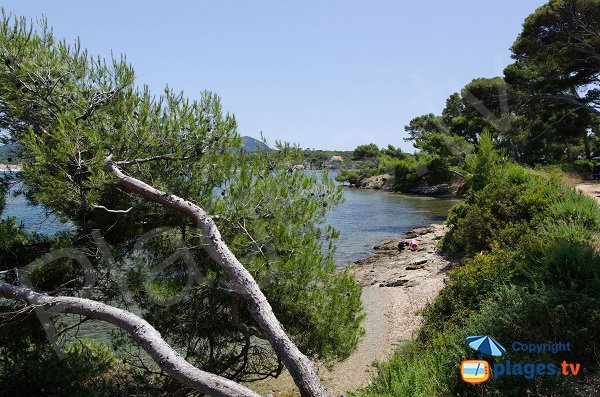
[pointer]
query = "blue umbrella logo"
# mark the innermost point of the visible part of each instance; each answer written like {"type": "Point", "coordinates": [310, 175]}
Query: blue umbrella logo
{"type": "Point", "coordinates": [486, 345]}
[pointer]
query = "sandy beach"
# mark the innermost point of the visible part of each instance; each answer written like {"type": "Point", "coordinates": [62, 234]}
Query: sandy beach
{"type": "Point", "coordinates": [396, 286]}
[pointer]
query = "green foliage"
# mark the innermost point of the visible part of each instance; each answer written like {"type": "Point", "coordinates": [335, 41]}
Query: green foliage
{"type": "Point", "coordinates": [350, 176]}
{"type": "Point", "coordinates": [370, 161]}
{"type": "Point", "coordinates": [70, 112]}
{"type": "Point", "coordinates": [412, 372]}
{"type": "Point", "coordinates": [483, 164]}
{"type": "Point", "coordinates": [315, 159]}
{"type": "Point", "coordinates": [584, 166]}
{"type": "Point", "coordinates": [466, 291]}
{"type": "Point", "coordinates": [501, 212]}
{"type": "Point", "coordinates": [364, 152]}
{"type": "Point", "coordinates": [556, 68]}
{"type": "Point", "coordinates": [405, 174]}
{"type": "Point", "coordinates": [553, 51]}
{"type": "Point", "coordinates": [89, 368]}
{"type": "Point", "coordinates": [421, 169]}
{"type": "Point", "coordinates": [394, 152]}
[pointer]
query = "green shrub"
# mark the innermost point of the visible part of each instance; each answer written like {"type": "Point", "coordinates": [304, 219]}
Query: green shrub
{"type": "Point", "coordinates": [437, 171]}
{"type": "Point", "coordinates": [583, 166]}
{"type": "Point", "coordinates": [413, 371]}
{"type": "Point", "coordinates": [576, 208]}
{"type": "Point", "coordinates": [468, 287]}
{"type": "Point", "coordinates": [482, 164]}
{"type": "Point", "coordinates": [350, 176]}
{"type": "Point", "coordinates": [416, 170]}
{"type": "Point", "coordinates": [405, 174]}
{"type": "Point", "coordinates": [501, 211]}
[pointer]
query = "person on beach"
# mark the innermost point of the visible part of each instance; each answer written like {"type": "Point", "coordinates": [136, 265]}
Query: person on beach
{"type": "Point", "coordinates": [413, 245]}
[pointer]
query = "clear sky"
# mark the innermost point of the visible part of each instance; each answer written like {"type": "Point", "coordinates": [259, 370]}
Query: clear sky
{"type": "Point", "coordinates": [323, 74]}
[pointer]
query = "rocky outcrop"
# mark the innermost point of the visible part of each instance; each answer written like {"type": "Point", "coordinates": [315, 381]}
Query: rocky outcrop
{"type": "Point", "coordinates": [391, 267]}
{"type": "Point", "coordinates": [376, 182]}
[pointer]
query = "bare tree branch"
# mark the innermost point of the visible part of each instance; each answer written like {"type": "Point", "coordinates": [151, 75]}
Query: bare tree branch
{"type": "Point", "coordinates": [113, 211]}
{"type": "Point", "coordinates": [154, 158]}
{"type": "Point", "coordinates": [300, 367]}
{"type": "Point", "coordinates": [148, 337]}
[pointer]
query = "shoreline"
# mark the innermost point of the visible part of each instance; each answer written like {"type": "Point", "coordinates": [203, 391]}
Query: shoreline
{"type": "Point", "coordinates": [396, 286]}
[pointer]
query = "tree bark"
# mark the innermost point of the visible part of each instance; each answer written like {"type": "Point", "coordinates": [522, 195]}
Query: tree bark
{"type": "Point", "coordinates": [300, 367]}
{"type": "Point", "coordinates": [148, 337]}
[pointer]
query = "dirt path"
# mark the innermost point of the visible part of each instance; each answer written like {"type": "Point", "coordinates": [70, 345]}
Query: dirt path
{"type": "Point", "coordinates": [591, 188]}
{"type": "Point", "coordinates": [396, 285]}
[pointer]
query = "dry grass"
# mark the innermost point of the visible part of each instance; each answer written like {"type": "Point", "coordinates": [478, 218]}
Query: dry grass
{"type": "Point", "coordinates": [567, 178]}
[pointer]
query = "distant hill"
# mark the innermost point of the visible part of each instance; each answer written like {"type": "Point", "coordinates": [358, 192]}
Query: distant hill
{"type": "Point", "coordinates": [7, 154]}
{"type": "Point", "coordinates": [250, 144]}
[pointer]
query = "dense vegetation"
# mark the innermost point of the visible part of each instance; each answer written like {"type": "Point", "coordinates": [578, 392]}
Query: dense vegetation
{"type": "Point", "coordinates": [318, 159]}
{"type": "Point", "coordinates": [70, 112]}
{"type": "Point", "coordinates": [531, 273]}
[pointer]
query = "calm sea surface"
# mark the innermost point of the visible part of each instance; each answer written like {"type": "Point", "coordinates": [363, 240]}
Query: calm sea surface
{"type": "Point", "coordinates": [364, 219]}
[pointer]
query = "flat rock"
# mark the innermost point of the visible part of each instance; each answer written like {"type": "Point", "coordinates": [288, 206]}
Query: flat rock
{"type": "Point", "coordinates": [391, 245]}
{"type": "Point", "coordinates": [418, 232]}
{"type": "Point", "coordinates": [394, 283]}
{"type": "Point", "coordinates": [416, 265]}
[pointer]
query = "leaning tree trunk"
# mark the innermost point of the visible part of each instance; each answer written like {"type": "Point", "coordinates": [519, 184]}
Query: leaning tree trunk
{"type": "Point", "coordinates": [148, 337]}
{"type": "Point", "coordinates": [300, 367]}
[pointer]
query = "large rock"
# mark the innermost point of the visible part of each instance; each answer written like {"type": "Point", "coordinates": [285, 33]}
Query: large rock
{"type": "Point", "coordinates": [375, 182]}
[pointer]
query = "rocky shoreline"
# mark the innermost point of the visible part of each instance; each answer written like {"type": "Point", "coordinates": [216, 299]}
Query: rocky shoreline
{"type": "Point", "coordinates": [382, 182]}
{"type": "Point", "coordinates": [389, 267]}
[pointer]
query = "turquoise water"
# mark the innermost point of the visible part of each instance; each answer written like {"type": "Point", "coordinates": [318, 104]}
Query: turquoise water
{"type": "Point", "coordinates": [364, 219]}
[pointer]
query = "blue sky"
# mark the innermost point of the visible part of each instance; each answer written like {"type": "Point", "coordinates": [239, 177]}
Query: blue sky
{"type": "Point", "coordinates": [323, 74]}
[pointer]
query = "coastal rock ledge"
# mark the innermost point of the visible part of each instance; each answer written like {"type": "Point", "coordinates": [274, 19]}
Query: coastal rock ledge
{"type": "Point", "coordinates": [389, 267]}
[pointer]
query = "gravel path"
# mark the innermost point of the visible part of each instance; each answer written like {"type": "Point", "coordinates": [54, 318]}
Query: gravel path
{"type": "Point", "coordinates": [396, 285]}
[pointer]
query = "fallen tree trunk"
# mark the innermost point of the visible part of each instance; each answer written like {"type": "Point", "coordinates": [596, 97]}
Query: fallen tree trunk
{"type": "Point", "coordinates": [148, 337]}
{"type": "Point", "coordinates": [300, 367]}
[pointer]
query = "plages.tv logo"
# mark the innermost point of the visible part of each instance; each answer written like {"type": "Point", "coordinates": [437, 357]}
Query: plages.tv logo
{"type": "Point", "coordinates": [478, 371]}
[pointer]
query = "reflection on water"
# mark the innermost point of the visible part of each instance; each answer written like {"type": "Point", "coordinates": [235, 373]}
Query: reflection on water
{"type": "Point", "coordinates": [368, 217]}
